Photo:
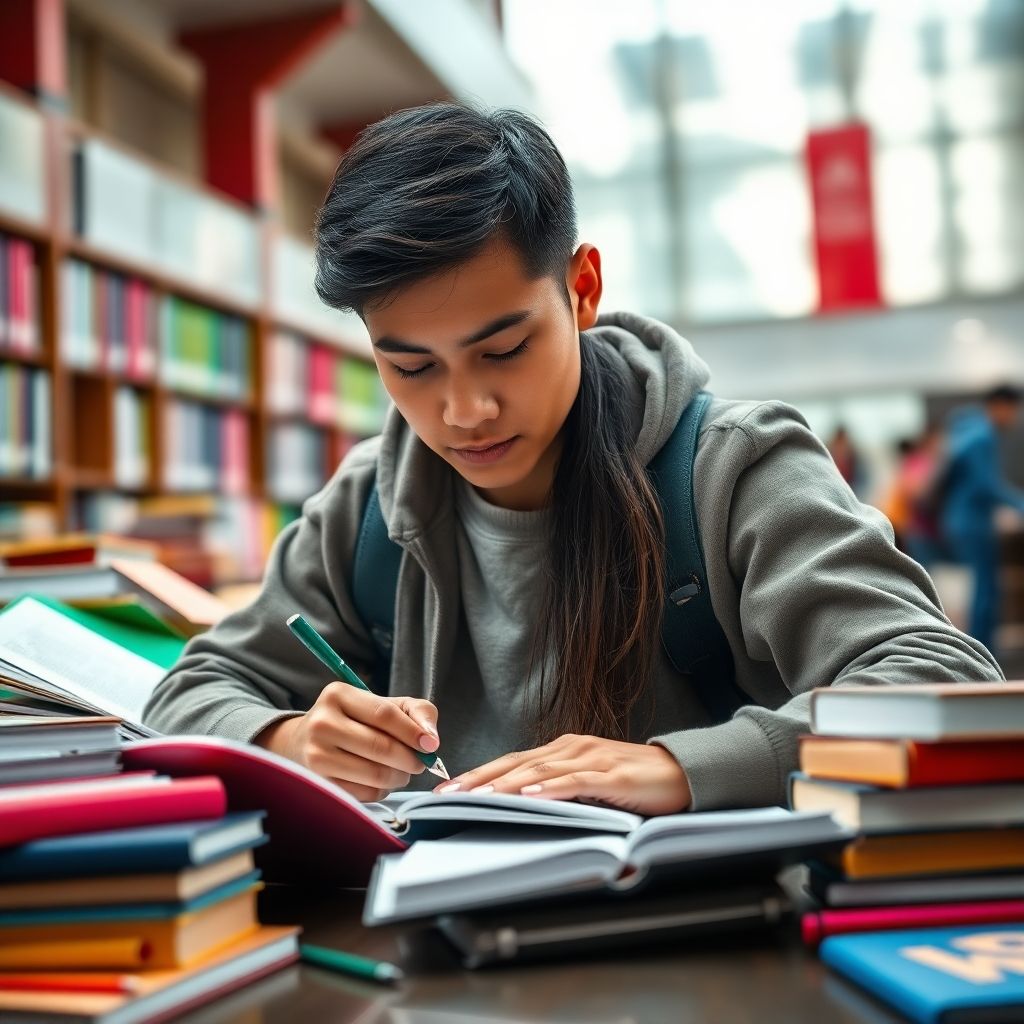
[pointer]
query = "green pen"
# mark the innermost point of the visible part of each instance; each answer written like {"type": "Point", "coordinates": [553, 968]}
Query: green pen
{"type": "Point", "coordinates": [323, 650]}
{"type": "Point", "coordinates": [349, 963]}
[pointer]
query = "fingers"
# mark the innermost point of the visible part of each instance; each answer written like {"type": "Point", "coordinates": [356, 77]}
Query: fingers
{"type": "Point", "coordinates": [488, 773]}
{"type": "Point", "coordinates": [348, 768]}
{"type": "Point", "coordinates": [383, 715]}
{"type": "Point", "coordinates": [576, 785]}
{"type": "Point", "coordinates": [422, 712]}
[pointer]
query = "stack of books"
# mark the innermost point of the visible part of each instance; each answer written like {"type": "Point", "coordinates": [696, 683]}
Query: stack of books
{"type": "Point", "coordinates": [115, 577]}
{"type": "Point", "coordinates": [931, 778]}
{"type": "Point", "coordinates": [124, 895]}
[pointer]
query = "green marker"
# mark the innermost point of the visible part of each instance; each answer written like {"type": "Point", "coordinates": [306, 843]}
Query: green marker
{"type": "Point", "coordinates": [323, 650]}
{"type": "Point", "coordinates": [349, 963]}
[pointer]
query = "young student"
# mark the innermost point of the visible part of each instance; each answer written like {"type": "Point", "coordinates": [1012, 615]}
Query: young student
{"type": "Point", "coordinates": [512, 471]}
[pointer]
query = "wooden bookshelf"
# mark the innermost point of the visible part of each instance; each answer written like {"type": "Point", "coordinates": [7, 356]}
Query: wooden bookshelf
{"type": "Point", "coordinates": [84, 442]}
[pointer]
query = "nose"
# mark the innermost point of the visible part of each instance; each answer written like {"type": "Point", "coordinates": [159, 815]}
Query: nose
{"type": "Point", "coordinates": [466, 406]}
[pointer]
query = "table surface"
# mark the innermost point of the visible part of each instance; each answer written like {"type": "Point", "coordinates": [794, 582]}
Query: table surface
{"type": "Point", "coordinates": [761, 978]}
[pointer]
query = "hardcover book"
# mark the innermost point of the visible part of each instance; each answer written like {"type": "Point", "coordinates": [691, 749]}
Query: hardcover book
{"type": "Point", "coordinates": [965, 975]}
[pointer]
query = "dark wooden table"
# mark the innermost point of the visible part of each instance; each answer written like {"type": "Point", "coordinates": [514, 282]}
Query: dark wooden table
{"type": "Point", "coordinates": [766, 978]}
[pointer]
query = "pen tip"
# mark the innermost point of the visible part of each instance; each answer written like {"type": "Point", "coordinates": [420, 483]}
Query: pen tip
{"type": "Point", "coordinates": [438, 769]}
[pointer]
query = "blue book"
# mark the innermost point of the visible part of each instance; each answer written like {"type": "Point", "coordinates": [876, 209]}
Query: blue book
{"type": "Point", "coordinates": [965, 975]}
{"type": "Point", "coordinates": [127, 911]}
{"type": "Point", "coordinates": [148, 850]}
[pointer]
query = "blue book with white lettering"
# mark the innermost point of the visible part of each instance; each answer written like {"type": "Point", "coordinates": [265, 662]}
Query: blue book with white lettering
{"type": "Point", "coordinates": [965, 975]}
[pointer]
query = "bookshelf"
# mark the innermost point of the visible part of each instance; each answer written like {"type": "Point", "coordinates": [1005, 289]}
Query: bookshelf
{"type": "Point", "coordinates": [163, 355]}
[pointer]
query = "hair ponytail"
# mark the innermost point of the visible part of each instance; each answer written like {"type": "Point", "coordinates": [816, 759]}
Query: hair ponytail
{"type": "Point", "coordinates": [600, 620]}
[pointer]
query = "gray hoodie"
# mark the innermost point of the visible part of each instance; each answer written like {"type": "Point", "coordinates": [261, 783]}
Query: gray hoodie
{"type": "Point", "coordinates": [805, 582]}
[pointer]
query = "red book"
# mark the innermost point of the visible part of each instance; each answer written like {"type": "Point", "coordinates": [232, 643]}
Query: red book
{"type": "Point", "coordinates": [908, 764]}
{"type": "Point", "coordinates": [820, 924]}
{"type": "Point", "coordinates": [37, 811]}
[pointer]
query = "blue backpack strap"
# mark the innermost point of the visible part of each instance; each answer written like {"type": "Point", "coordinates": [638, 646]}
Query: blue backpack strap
{"type": "Point", "coordinates": [690, 633]}
{"type": "Point", "coordinates": [375, 585]}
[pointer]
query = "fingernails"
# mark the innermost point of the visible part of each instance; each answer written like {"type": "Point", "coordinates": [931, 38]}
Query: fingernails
{"type": "Point", "coordinates": [483, 789]}
{"type": "Point", "coordinates": [428, 742]}
{"type": "Point", "coordinates": [449, 787]}
{"type": "Point", "coordinates": [535, 788]}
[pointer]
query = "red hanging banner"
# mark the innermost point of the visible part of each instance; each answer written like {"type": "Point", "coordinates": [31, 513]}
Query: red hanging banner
{"type": "Point", "coordinates": [839, 171]}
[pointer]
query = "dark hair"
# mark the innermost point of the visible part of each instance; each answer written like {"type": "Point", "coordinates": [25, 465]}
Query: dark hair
{"type": "Point", "coordinates": [423, 191]}
{"type": "Point", "coordinates": [1008, 393]}
{"type": "Point", "coordinates": [427, 188]}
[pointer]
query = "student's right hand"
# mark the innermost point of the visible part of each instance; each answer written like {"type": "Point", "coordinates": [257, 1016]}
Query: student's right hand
{"type": "Point", "coordinates": [358, 739]}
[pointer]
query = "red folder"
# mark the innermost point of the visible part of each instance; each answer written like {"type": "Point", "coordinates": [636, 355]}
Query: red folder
{"type": "Point", "coordinates": [37, 811]}
{"type": "Point", "coordinates": [317, 831]}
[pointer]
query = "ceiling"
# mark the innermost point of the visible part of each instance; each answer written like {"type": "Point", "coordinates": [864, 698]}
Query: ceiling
{"type": "Point", "coordinates": [363, 71]}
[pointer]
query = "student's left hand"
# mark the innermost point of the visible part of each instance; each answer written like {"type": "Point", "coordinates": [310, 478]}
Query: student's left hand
{"type": "Point", "coordinates": [638, 777]}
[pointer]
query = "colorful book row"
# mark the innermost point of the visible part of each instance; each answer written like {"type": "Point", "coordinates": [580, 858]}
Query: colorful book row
{"type": "Point", "coordinates": [331, 389]}
{"type": "Point", "coordinates": [210, 539]}
{"type": "Point", "coordinates": [19, 297]}
{"type": "Point", "coordinates": [25, 440]}
{"type": "Point", "coordinates": [205, 448]}
{"type": "Point", "coordinates": [109, 322]}
{"type": "Point", "coordinates": [204, 351]}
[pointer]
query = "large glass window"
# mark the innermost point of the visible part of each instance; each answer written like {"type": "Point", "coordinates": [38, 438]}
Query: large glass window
{"type": "Point", "coordinates": [685, 124]}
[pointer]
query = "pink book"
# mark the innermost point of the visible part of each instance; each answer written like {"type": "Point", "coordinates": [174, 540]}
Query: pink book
{"type": "Point", "coordinates": [35, 812]}
{"type": "Point", "coordinates": [317, 831]}
{"type": "Point", "coordinates": [235, 445]}
{"type": "Point", "coordinates": [321, 385]}
{"type": "Point", "coordinates": [819, 924]}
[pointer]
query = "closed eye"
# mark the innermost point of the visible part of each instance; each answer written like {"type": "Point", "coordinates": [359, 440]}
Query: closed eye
{"type": "Point", "coordinates": [498, 357]}
{"type": "Point", "coordinates": [406, 374]}
{"type": "Point", "coordinates": [510, 354]}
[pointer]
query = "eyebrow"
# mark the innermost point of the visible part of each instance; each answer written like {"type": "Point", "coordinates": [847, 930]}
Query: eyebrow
{"type": "Point", "coordinates": [391, 344]}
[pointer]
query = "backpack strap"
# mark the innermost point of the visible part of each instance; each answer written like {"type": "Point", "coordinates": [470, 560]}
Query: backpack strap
{"type": "Point", "coordinates": [375, 584]}
{"type": "Point", "coordinates": [690, 633]}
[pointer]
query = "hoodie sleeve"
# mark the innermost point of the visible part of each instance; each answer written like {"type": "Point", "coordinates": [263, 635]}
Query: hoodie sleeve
{"type": "Point", "coordinates": [813, 585]}
{"type": "Point", "coordinates": [248, 671]}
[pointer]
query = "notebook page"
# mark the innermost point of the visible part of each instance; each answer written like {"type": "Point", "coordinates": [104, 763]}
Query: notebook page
{"type": "Point", "coordinates": [512, 808]}
{"type": "Point", "coordinates": [64, 653]}
{"type": "Point", "coordinates": [474, 868]}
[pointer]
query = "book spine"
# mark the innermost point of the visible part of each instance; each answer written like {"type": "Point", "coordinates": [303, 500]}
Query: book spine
{"type": "Point", "coordinates": [818, 925]}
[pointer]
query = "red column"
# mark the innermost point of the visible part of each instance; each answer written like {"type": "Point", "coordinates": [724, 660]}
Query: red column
{"type": "Point", "coordinates": [244, 62]}
{"type": "Point", "coordinates": [32, 47]}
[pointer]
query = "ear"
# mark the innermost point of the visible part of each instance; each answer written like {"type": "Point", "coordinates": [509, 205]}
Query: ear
{"type": "Point", "coordinates": [583, 279]}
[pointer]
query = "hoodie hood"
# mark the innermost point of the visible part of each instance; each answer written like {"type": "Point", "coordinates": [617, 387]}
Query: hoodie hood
{"type": "Point", "coordinates": [415, 485]}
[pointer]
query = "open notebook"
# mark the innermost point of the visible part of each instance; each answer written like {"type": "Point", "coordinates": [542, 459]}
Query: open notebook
{"type": "Point", "coordinates": [350, 836]}
{"type": "Point", "coordinates": [479, 868]}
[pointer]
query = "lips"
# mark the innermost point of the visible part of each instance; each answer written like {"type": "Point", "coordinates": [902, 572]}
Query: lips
{"type": "Point", "coordinates": [487, 453]}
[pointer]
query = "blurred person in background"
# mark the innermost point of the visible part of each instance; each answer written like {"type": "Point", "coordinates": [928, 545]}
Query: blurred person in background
{"type": "Point", "coordinates": [847, 459]}
{"type": "Point", "coordinates": [914, 498]}
{"type": "Point", "coordinates": [973, 488]}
